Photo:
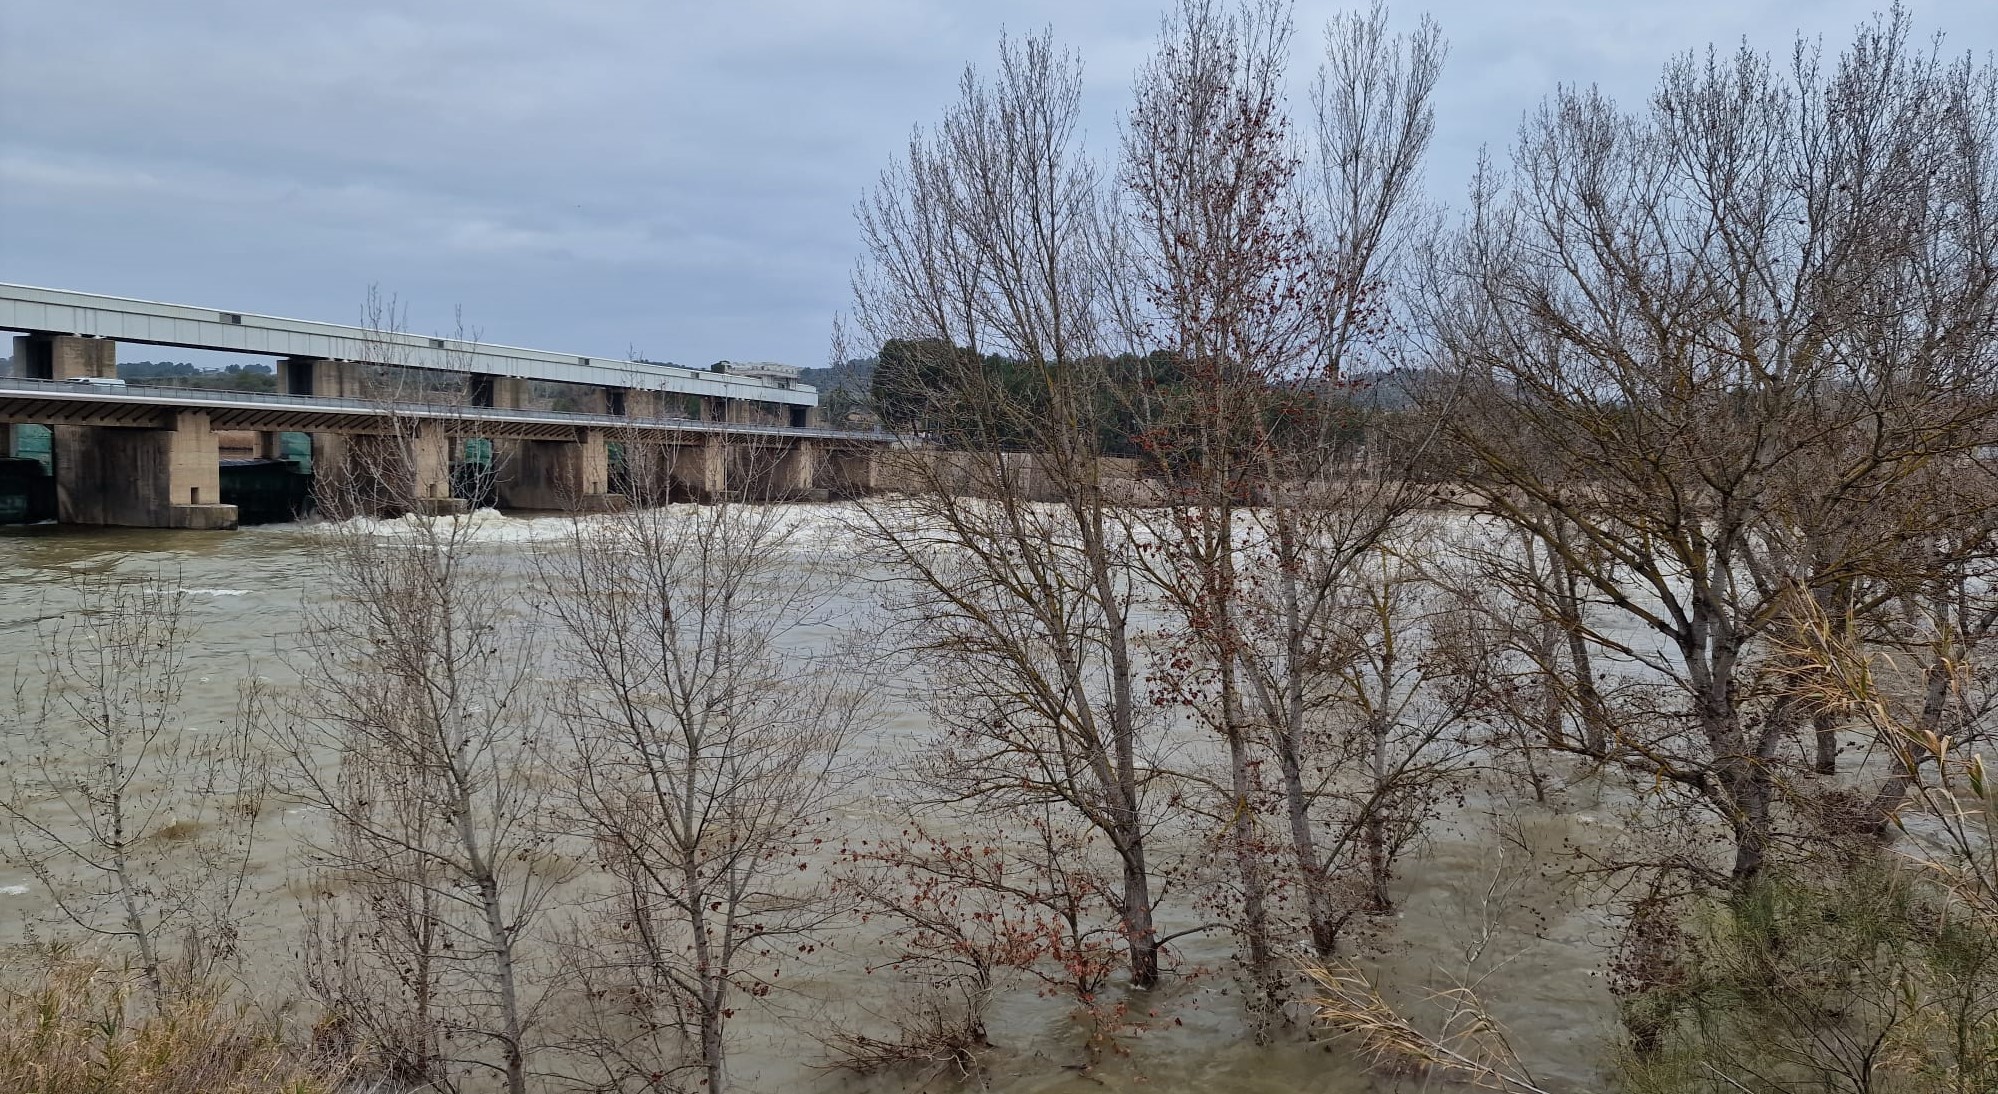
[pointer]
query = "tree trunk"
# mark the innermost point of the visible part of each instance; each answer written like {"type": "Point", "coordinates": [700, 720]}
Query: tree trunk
{"type": "Point", "coordinates": [710, 989]}
{"type": "Point", "coordinates": [1140, 936]}
{"type": "Point", "coordinates": [1750, 792]}
{"type": "Point", "coordinates": [1248, 861]}
{"type": "Point", "coordinates": [1374, 831]}
{"type": "Point", "coordinates": [1824, 731]}
{"type": "Point", "coordinates": [501, 940]}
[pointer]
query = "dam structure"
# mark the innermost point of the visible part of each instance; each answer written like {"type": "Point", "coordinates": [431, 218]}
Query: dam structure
{"type": "Point", "coordinates": [550, 431]}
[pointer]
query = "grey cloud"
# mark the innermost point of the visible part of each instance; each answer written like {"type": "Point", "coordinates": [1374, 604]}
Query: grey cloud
{"type": "Point", "coordinates": [589, 176]}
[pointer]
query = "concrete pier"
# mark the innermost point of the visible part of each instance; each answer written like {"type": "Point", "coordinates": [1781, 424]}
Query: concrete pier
{"type": "Point", "coordinates": [702, 467]}
{"type": "Point", "coordinates": [850, 474]}
{"type": "Point", "coordinates": [793, 472]}
{"type": "Point", "coordinates": [64, 357]}
{"type": "Point", "coordinates": [572, 476]}
{"type": "Point", "coordinates": [380, 474]}
{"type": "Point", "coordinates": [143, 478]}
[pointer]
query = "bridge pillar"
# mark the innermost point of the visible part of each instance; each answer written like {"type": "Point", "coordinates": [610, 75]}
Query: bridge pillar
{"type": "Point", "coordinates": [852, 472]}
{"type": "Point", "coordinates": [64, 357]}
{"type": "Point", "coordinates": [648, 473]}
{"type": "Point", "coordinates": [326, 379]}
{"type": "Point", "coordinates": [141, 478]}
{"type": "Point", "coordinates": [572, 476]}
{"type": "Point", "coordinates": [791, 474]}
{"type": "Point", "coordinates": [644, 403]}
{"type": "Point", "coordinates": [385, 474]}
{"type": "Point", "coordinates": [302, 375]}
{"type": "Point", "coordinates": [501, 392]}
{"type": "Point", "coordinates": [322, 378]}
{"type": "Point", "coordinates": [703, 467]}
{"type": "Point", "coordinates": [430, 471]}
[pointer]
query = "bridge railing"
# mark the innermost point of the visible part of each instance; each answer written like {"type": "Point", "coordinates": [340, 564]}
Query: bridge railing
{"type": "Point", "coordinates": [167, 395]}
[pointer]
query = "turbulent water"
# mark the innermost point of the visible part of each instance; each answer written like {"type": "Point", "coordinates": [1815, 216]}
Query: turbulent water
{"type": "Point", "coordinates": [1539, 942]}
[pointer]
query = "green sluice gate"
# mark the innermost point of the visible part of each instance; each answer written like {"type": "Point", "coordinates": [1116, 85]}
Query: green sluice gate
{"type": "Point", "coordinates": [27, 491]}
{"type": "Point", "coordinates": [473, 474]}
{"type": "Point", "coordinates": [266, 491]}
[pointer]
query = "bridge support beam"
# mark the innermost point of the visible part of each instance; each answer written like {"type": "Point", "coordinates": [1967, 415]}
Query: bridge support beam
{"type": "Point", "coordinates": [64, 357]}
{"type": "Point", "coordinates": [570, 476]}
{"type": "Point", "coordinates": [326, 379]}
{"type": "Point", "coordinates": [851, 473]}
{"type": "Point", "coordinates": [703, 467]}
{"type": "Point", "coordinates": [141, 478]}
{"type": "Point", "coordinates": [408, 471]}
{"type": "Point", "coordinates": [791, 474]}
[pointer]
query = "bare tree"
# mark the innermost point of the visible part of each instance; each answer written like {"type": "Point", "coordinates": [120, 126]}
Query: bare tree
{"type": "Point", "coordinates": [986, 241]}
{"type": "Point", "coordinates": [1240, 281]}
{"type": "Point", "coordinates": [1265, 277]}
{"type": "Point", "coordinates": [1023, 898]}
{"type": "Point", "coordinates": [1699, 353]}
{"type": "Point", "coordinates": [1394, 730]}
{"type": "Point", "coordinates": [138, 823]}
{"type": "Point", "coordinates": [1222, 262]}
{"type": "Point", "coordinates": [417, 733]}
{"type": "Point", "coordinates": [709, 740]}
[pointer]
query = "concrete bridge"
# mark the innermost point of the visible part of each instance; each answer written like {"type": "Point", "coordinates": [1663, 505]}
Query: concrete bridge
{"type": "Point", "coordinates": [396, 408]}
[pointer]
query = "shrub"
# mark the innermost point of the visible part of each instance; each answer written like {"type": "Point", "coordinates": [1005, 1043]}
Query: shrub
{"type": "Point", "coordinates": [71, 1026]}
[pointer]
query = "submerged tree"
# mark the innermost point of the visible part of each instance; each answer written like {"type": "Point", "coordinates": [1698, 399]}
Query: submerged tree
{"type": "Point", "coordinates": [138, 823]}
{"type": "Point", "coordinates": [1268, 276]}
{"type": "Point", "coordinates": [417, 732]}
{"type": "Point", "coordinates": [1012, 569]}
{"type": "Point", "coordinates": [709, 739]}
{"type": "Point", "coordinates": [1221, 266]}
{"type": "Point", "coordinates": [1717, 356]}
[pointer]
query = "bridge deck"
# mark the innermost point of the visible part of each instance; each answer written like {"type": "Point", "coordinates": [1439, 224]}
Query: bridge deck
{"type": "Point", "coordinates": [30, 309]}
{"type": "Point", "coordinates": [135, 406]}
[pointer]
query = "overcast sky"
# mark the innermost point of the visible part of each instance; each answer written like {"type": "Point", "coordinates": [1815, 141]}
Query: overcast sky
{"type": "Point", "coordinates": [596, 176]}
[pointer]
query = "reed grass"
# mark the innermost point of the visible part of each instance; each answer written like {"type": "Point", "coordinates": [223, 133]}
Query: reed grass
{"type": "Point", "coordinates": [73, 1026]}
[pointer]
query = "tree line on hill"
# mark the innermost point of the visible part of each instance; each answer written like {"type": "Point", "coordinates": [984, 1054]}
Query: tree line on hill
{"type": "Point", "coordinates": [233, 377]}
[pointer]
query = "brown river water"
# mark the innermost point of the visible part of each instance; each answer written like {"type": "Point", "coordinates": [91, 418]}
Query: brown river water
{"type": "Point", "coordinates": [1544, 939]}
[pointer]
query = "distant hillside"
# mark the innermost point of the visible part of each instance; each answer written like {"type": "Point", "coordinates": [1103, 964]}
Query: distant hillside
{"type": "Point", "coordinates": [853, 376]}
{"type": "Point", "coordinates": [253, 377]}
{"type": "Point", "coordinates": [1391, 389]}
{"type": "Point", "coordinates": [844, 392]}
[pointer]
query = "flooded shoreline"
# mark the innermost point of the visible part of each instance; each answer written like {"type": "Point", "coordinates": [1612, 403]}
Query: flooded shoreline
{"type": "Point", "coordinates": [1543, 944]}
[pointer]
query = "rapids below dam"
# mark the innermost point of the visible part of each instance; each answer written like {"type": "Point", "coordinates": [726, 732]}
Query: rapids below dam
{"type": "Point", "coordinates": [1538, 941]}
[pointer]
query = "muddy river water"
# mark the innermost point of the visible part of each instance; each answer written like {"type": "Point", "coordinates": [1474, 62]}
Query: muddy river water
{"type": "Point", "coordinates": [1545, 941]}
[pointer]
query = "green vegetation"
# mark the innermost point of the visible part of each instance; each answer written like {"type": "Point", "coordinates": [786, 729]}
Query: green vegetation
{"type": "Point", "coordinates": [845, 391]}
{"type": "Point", "coordinates": [1863, 977]}
{"type": "Point", "coordinates": [253, 377]}
{"type": "Point", "coordinates": [945, 392]}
